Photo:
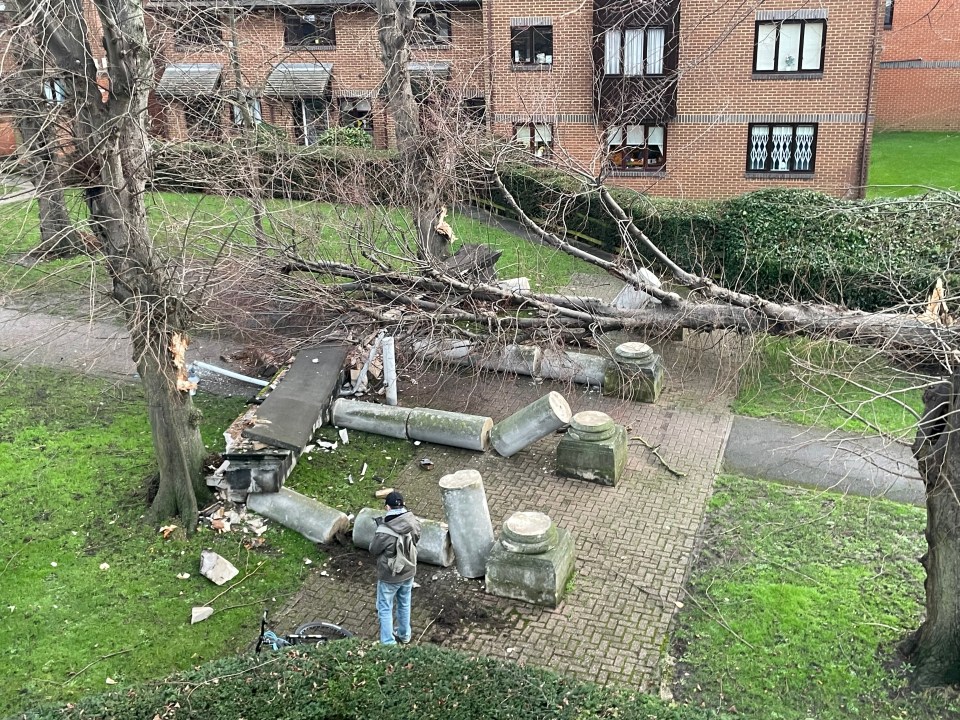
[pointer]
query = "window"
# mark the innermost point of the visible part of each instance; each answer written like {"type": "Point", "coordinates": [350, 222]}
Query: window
{"type": "Point", "coordinates": [54, 90]}
{"type": "Point", "coordinates": [888, 14]}
{"type": "Point", "coordinates": [310, 28]}
{"type": "Point", "coordinates": [782, 148]}
{"type": "Point", "coordinates": [474, 110]}
{"type": "Point", "coordinates": [633, 51]}
{"type": "Point", "coordinates": [432, 27]}
{"type": "Point", "coordinates": [256, 112]}
{"type": "Point", "coordinates": [636, 147]}
{"type": "Point", "coordinates": [535, 138]}
{"type": "Point", "coordinates": [532, 45]}
{"type": "Point", "coordinates": [785, 46]}
{"type": "Point", "coordinates": [356, 112]}
{"type": "Point", "coordinates": [202, 117]}
{"type": "Point", "coordinates": [310, 118]}
{"type": "Point", "coordinates": [201, 28]}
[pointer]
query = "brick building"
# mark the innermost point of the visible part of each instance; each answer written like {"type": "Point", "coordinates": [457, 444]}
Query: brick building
{"type": "Point", "coordinates": [683, 98]}
{"type": "Point", "coordinates": [918, 82]}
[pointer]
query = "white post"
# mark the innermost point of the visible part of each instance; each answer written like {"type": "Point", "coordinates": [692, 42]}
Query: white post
{"type": "Point", "coordinates": [389, 370]}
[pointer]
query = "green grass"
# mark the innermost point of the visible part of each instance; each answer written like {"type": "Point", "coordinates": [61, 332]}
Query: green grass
{"type": "Point", "coordinates": [73, 454]}
{"type": "Point", "coordinates": [797, 605]}
{"type": "Point", "coordinates": [907, 163]}
{"type": "Point", "coordinates": [828, 384]}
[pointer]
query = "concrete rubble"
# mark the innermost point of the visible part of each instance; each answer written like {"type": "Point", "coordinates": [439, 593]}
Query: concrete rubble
{"type": "Point", "coordinates": [216, 568]}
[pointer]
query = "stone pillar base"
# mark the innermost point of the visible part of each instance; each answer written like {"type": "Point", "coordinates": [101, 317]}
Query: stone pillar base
{"type": "Point", "coordinates": [538, 579]}
{"type": "Point", "coordinates": [636, 373]}
{"type": "Point", "coordinates": [594, 449]}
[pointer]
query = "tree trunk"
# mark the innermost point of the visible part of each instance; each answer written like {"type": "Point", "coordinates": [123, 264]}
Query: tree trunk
{"type": "Point", "coordinates": [934, 649]}
{"type": "Point", "coordinates": [424, 156]}
{"type": "Point", "coordinates": [113, 137]}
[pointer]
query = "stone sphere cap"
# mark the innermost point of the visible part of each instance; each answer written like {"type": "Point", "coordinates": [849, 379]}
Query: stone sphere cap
{"type": "Point", "coordinates": [634, 351]}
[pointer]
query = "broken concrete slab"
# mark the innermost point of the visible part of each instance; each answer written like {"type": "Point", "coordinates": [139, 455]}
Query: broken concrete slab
{"type": "Point", "coordinates": [217, 568]}
{"type": "Point", "coordinates": [434, 547]}
{"type": "Point", "coordinates": [315, 521]}
{"type": "Point", "coordinates": [300, 403]}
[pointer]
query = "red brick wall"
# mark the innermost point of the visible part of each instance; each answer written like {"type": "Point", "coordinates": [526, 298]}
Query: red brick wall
{"type": "Point", "coordinates": [919, 95]}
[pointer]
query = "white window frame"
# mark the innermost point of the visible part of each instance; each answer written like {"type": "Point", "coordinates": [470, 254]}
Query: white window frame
{"type": "Point", "coordinates": [767, 154]}
{"type": "Point", "coordinates": [634, 51]}
{"type": "Point", "coordinates": [55, 90]}
{"type": "Point", "coordinates": [256, 110]}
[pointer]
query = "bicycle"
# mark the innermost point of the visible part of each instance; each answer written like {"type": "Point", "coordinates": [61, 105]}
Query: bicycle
{"type": "Point", "coordinates": [312, 633]}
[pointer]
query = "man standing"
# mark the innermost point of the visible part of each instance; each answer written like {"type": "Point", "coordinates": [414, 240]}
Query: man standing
{"type": "Point", "coordinates": [394, 546]}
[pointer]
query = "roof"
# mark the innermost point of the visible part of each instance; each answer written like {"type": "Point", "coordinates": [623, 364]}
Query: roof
{"type": "Point", "coordinates": [189, 80]}
{"type": "Point", "coordinates": [433, 67]}
{"type": "Point", "coordinates": [299, 80]}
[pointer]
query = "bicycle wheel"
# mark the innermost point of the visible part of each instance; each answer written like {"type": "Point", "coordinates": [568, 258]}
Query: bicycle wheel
{"type": "Point", "coordinates": [318, 632]}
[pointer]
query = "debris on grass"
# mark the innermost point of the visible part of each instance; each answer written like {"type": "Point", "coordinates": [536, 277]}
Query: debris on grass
{"type": "Point", "coordinates": [217, 568]}
{"type": "Point", "coordinates": [199, 614]}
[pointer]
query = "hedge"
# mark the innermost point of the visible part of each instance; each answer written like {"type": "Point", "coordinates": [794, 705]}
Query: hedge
{"type": "Point", "coordinates": [782, 244]}
{"type": "Point", "coordinates": [353, 679]}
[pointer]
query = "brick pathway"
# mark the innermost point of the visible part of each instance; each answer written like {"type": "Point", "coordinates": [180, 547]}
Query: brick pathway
{"type": "Point", "coordinates": [635, 543]}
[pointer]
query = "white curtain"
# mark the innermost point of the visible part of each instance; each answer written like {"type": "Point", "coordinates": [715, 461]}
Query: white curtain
{"type": "Point", "coordinates": [611, 51]}
{"type": "Point", "coordinates": [635, 136]}
{"type": "Point", "coordinates": [615, 136]}
{"type": "Point", "coordinates": [655, 138]}
{"type": "Point", "coordinates": [523, 135]}
{"type": "Point", "coordinates": [788, 58]}
{"type": "Point", "coordinates": [812, 46]}
{"type": "Point", "coordinates": [633, 51]}
{"type": "Point", "coordinates": [655, 38]}
{"type": "Point", "coordinates": [766, 46]}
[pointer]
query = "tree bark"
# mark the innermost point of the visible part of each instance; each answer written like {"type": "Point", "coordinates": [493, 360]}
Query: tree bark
{"type": "Point", "coordinates": [424, 156]}
{"type": "Point", "coordinates": [934, 649]}
{"type": "Point", "coordinates": [114, 138]}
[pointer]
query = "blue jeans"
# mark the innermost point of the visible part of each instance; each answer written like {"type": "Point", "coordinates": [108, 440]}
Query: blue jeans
{"type": "Point", "coordinates": [386, 592]}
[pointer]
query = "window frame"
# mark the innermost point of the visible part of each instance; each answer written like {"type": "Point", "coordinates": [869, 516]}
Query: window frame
{"type": "Point", "coordinates": [532, 147]}
{"type": "Point", "coordinates": [306, 133]}
{"type": "Point", "coordinates": [54, 90]}
{"type": "Point", "coordinates": [645, 167]}
{"type": "Point", "coordinates": [365, 123]}
{"type": "Point", "coordinates": [295, 22]}
{"type": "Point", "coordinates": [803, 23]}
{"type": "Point", "coordinates": [767, 170]}
{"type": "Point", "coordinates": [198, 30]}
{"type": "Point", "coordinates": [202, 118]}
{"type": "Point", "coordinates": [517, 33]}
{"type": "Point", "coordinates": [255, 107]}
{"type": "Point", "coordinates": [435, 36]}
{"type": "Point", "coordinates": [621, 50]}
{"type": "Point", "coordinates": [888, 9]}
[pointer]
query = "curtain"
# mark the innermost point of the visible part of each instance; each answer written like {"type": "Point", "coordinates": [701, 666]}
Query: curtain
{"type": "Point", "coordinates": [788, 59]}
{"type": "Point", "coordinates": [633, 51]}
{"type": "Point", "coordinates": [812, 46]}
{"type": "Point", "coordinates": [766, 46]}
{"type": "Point", "coordinates": [611, 51]}
{"type": "Point", "coordinates": [655, 37]}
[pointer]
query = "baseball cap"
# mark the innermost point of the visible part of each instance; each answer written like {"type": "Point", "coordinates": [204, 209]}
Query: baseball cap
{"type": "Point", "coordinates": [394, 500]}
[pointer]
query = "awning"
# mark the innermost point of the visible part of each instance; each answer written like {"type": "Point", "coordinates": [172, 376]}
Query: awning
{"type": "Point", "coordinates": [436, 68]}
{"type": "Point", "coordinates": [189, 81]}
{"type": "Point", "coordinates": [299, 80]}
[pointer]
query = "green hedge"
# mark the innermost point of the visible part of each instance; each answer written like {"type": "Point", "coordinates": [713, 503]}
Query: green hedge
{"type": "Point", "coordinates": [782, 244]}
{"type": "Point", "coordinates": [350, 679]}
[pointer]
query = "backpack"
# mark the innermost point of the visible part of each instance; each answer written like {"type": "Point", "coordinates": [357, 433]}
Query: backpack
{"type": "Point", "coordinates": [406, 557]}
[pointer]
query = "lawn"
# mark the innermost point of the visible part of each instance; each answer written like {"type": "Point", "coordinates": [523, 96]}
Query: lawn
{"type": "Point", "coordinates": [89, 591]}
{"type": "Point", "coordinates": [797, 604]}
{"type": "Point", "coordinates": [907, 163]}
{"type": "Point", "coordinates": [831, 385]}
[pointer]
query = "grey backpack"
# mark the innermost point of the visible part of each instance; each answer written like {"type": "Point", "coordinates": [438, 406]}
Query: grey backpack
{"type": "Point", "coordinates": [406, 557]}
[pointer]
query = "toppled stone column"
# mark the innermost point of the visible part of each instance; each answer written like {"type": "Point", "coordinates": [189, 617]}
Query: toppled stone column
{"type": "Point", "coordinates": [467, 513]}
{"type": "Point", "coordinates": [526, 426]}
{"type": "Point", "coordinates": [636, 373]}
{"type": "Point", "coordinates": [315, 521]}
{"type": "Point", "coordinates": [573, 367]}
{"type": "Point", "coordinates": [471, 432]}
{"type": "Point", "coordinates": [594, 449]}
{"type": "Point", "coordinates": [434, 547]}
{"type": "Point", "coordinates": [370, 417]}
{"type": "Point", "coordinates": [533, 561]}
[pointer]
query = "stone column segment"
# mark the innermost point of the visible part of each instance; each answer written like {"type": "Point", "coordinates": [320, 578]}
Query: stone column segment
{"type": "Point", "coordinates": [370, 417]}
{"type": "Point", "coordinates": [434, 547]}
{"type": "Point", "coordinates": [471, 432]}
{"type": "Point", "coordinates": [529, 424]}
{"type": "Point", "coordinates": [315, 521]}
{"type": "Point", "coordinates": [467, 513]}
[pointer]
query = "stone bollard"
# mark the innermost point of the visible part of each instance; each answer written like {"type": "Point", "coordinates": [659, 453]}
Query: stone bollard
{"type": "Point", "coordinates": [434, 547]}
{"type": "Point", "coordinates": [370, 417]}
{"type": "Point", "coordinates": [471, 532]}
{"type": "Point", "coordinates": [636, 373]}
{"type": "Point", "coordinates": [526, 426]}
{"type": "Point", "coordinates": [315, 521]}
{"type": "Point", "coordinates": [471, 432]}
{"type": "Point", "coordinates": [594, 449]}
{"type": "Point", "coordinates": [533, 561]}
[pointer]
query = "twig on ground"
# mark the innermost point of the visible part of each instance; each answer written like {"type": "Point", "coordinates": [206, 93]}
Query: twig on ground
{"type": "Point", "coordinates": [252, 572]}
{"type": "Point", "coordinates": [655, 450]}
{"type": "Point", "coordinates": [78, 673]}
{"type": "Point", "coordinates": [13, 557]}
{"type": "Point", "coordinates": [429, 625]}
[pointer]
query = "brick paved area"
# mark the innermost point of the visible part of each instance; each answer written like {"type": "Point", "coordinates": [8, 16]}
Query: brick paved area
{"type": "Point", "coordinates": [635, 543]}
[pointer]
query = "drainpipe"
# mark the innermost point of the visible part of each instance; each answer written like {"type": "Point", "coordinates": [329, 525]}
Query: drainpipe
{"type": "Point", "coordinates": [864, 155]}
{"type": "Point", "coordinates": [488, 11]}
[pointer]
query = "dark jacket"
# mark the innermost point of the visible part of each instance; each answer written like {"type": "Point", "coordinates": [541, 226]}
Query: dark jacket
{"type": "Point", "coordinates": [384, 546]}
